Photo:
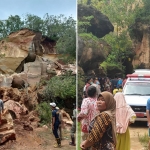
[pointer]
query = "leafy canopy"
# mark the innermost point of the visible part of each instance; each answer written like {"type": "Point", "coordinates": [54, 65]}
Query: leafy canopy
{"type": "Point", "coordinates": [62, 87]}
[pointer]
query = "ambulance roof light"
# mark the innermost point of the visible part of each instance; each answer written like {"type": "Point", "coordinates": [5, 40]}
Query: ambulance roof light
{"type": "Point", "coordinates": [138, 76]}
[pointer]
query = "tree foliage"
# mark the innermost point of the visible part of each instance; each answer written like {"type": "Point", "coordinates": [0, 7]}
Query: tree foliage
{"type": "Point", "coordinates": [121, 47]}
{"type": "Point", "coordinates": [143, 13]}
{"type": "Point", "coordinates": [59, 28]}
{"type": "Point", "coordinates": [84, 23]}
{"type": "Point", "coordinates": [44, 112]}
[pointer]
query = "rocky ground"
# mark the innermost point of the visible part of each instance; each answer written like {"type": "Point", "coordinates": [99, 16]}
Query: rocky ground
{"type": "Point", "coordinates": [39, 139]}
{"type": "Point", "coordinates": [42, 138]}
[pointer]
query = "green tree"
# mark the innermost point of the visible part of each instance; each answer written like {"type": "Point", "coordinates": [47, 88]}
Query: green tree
{"type": "Point", "coordinates": [84, 23]}
{"type": "Point", "coordinates": [121, 47]}
{"type": "Point", "coordinates": [33, 22]}
{"type": "Point", "coordinates": [13, 23]}
{"type": "Point", "coordinates": [59, 28]}
{"type": "Point", "coordinates": [61, 87]}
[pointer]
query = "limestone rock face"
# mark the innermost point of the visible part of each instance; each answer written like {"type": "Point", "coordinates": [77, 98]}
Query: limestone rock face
{"type": "Point", "coordinates": [5, 81]}
{"type": "Point", "coordinates": [26, 57]}
{"type": "Point", "coordinates": [91, 54]}
{"type": "Point", "coordinates": [66, 118]}
{"type": "Point", "coordinates": [7, 131]}
{"type": "Point", "coordinates": [18, 45]}
{"type": "Point", "coordinates": [15, 48]}
{"type": "Point", "coordinates": [141, 43]}
{"type": "Point", "coordinates": [15, 107]}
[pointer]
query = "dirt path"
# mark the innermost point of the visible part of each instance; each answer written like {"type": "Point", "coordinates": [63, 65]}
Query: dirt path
{"type": "Point", "coordinates": [137, 129]}
{"type": "Point", "coordinates": [39, 139]}
{"type": "Point", "coordinates": [43, 139]}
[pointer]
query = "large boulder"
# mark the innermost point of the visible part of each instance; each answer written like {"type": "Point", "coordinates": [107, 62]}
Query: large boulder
{"type": "Point", "coordinates": [15, 108]}
{"type": "Point", "coordinates": [7, 131]}
{"type": "Point", "coordinates": [100, 24]}
{"type": "Point", "coordinates": [21, 47]}
{"type": "Point", "coordinates": [91, 54]}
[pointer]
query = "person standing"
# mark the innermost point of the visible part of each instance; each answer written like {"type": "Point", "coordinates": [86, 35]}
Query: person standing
{"type": "Point", "coordinates": [108, 85]}
{"type": "Point", "coordinates": [97, 85]}
{"type": "Point", "coordinates": [61, 122]}
{"type": "Point", "coordinates": [102, 130]}
{"type": "Point", "coordinates": [114, 83]}
{"type": "Point", "coordinates": [124, 116]}
{"type": "Point", "coordinates": [73, 128]}
{"type": "Point", "coordinates": [119, 83]}
{"type": "Point", "coordinates": [88, 111]}
{"type": "Point", "coordinates": [55, 124]}
{"type": "Point", "coordinates": [89, 81]}
{"type": "Point", "coordinates": [1, 108]}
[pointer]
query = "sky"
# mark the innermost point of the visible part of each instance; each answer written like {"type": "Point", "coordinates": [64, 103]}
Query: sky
{"type": "Point", "coordinates": [38, 8]}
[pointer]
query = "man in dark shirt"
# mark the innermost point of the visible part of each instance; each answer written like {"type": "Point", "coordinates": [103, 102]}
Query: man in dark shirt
{"type": "Point", "coordinates": [114, 82]}
{"type": "Point", "coordinates": [55, 124]}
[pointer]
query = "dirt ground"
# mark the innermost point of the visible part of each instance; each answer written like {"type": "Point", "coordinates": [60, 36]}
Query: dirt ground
{"type": "Point", "coordinates": [43, 139]}
{"type": "Point", "coordinates": [39, 139]}
{"type": "Point", "coordinates": [137, 129]}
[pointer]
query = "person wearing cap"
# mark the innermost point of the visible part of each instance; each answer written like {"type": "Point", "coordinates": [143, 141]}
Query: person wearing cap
{"type": "Point", "coordinates": [55, 124]}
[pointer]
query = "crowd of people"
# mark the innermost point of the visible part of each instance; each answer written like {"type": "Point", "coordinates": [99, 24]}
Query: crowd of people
{"type": "Point", "coordinates": [113, 85]}
{"type": "Point", "coordinates": [105, 115]}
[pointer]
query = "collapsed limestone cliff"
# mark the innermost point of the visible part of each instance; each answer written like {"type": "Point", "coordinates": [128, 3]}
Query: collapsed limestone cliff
{"type": "Point", "coordinates": [21, 47]}
{"type": "Point", "coordinates": [90, 52]}
{"type": "Point", "coordinates": [27, 57]}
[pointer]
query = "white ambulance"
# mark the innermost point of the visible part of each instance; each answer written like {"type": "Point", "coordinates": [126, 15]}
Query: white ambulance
{"type": "Point", "coordinates": [137, 92]}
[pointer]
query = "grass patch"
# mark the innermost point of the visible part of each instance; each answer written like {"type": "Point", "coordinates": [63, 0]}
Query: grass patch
{"type": "Point", "coordinates": [144, 139]}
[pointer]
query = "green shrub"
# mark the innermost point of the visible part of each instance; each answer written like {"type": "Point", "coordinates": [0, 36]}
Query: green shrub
{"type": "Point", "coordinates": [60, 87]}
{"type": "Point", "coordinates": [144, 139]}
{"type": "Point", "coordinates": [81, 83]}
{"type": "Point", "coordinates": [44, 112]}
{"type": "Point", "coordinates": [112, 68]}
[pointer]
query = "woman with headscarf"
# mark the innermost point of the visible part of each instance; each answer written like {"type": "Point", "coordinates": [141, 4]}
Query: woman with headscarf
{"type": "Point", "coordinates": [124, 116]}
{"type": "Point", "coordinates": [102, 130]}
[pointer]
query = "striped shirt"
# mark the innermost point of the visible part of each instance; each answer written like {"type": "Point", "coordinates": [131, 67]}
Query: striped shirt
{"type": "Point", "coordinates": [100, 132]}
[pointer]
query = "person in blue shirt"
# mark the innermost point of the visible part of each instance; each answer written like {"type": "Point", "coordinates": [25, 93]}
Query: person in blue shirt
{"type": "Point", "coordinates": [119, 83]}
{"type": "Point", "coordinates": [55, 124]}
{"type": "Point", "coordinates": [1, 108]}
{"type": "Point", "coordinates": [148, 118]}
